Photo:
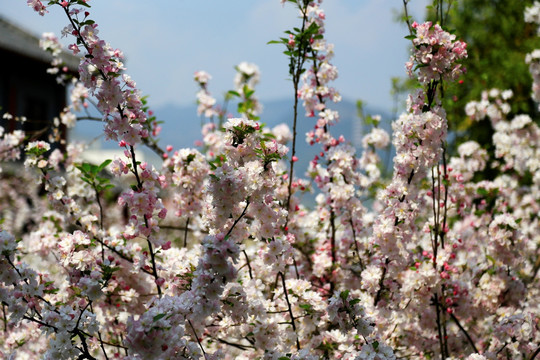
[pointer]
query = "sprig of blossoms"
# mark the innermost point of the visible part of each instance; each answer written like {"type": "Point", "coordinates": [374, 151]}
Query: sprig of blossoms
{"type": "Point", "coordinates": [206, 103]}
{"type": "Point", "coordinates": [101, 72]}
{"type": "Point", "coordinates": [247, 76]}
{"type": "Point", "coordinates": [188, 170]}
{"type": "Point", "coordinates": [10, 144]}
{"type": "Point", "coordinates": [436, 53]}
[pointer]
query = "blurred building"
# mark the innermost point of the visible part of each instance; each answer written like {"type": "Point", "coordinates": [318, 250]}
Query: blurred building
{"type": "Point", "coordinates": [26, 89]}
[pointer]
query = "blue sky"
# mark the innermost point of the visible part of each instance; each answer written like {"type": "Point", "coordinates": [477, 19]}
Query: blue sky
{"type": "Point", "coordinates": [166, 41]}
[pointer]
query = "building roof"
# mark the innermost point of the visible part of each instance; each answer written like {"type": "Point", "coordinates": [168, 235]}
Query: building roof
{"type": "Point", "coordinates": [21, 41]}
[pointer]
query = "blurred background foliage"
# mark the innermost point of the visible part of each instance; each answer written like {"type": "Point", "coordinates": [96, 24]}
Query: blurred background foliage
{"type": "Point", "coordinates": [498, 39]}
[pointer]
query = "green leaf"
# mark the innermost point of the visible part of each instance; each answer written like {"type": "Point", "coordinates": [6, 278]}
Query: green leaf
{"type": "Point", "coordinates": [83, 3]}
{"type": "Point", "coordinates": [190, 158]}
{"type": "Point", "coordinates": [104, 164]}
{"type": "Point", "coordinates": [86, 167]}
{"type": "Point", "coordinates": [482, 191]}
{"type": "Point", "coordinates": [354, 301]}
{"type": "Point", "coordinates": [159, 316]}
{"type": "Point", "coordinates": [88, 22]}
{"type": "Point", "coordinates": [102, 180]}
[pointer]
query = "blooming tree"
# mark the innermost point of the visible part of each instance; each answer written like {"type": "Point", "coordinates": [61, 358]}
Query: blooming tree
{"type": "Point", "coordinates": [213, 255]}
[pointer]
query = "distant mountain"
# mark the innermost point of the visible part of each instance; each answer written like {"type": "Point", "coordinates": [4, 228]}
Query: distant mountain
{"type": "Point", "coordinates": [182, 126]}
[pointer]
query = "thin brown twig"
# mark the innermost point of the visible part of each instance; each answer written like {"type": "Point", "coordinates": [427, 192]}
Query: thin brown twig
{"type": "Point", "coordinates": [5, 317]}
{"type": "Point", "coordinates": [248, 264]}
{"type": "Point", "coordinates": [186, 232]}
{"type": "Point", "coordinates": [296, 72]}
{"type": "Point", "coordinates": [535, 353]}
{"type": "Point", "coordinates": [439, 329]}
{"type": "Point", "coordinates": [238, 219]}
{"type": "Point", "coordinates": [381, 284]}
{"type": "Point", "coordinates": [464, 332]}
{"type": "Point", "coordinates": [196, 337]}
{"type": "Point", "coordinates": [290, 308]}
{"type": "Point", "coordinates": [405, 2]}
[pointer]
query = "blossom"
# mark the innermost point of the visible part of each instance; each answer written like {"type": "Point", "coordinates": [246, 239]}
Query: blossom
{"type": "Point", "coordinates": [435, 54]}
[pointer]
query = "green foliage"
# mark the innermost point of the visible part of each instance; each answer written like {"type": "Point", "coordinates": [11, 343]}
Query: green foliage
{"type": "Point", "coordinates": [486, 200]}
{"type": "Point", "coordinates": [158, 317]}
{"type": "Point", "coordinates": [367, 119]}
{"type": "Point", "coordinates": [108, 272]}
{"type": "Point", "coordinates": [497, 40]}
{"type": "Point", "coordinates": [217, 162]}
{"type": "Point", "coordinates": [247, 104]}
{"type": "Point", "coordinates": [298, 43]}
{"type": "Point", "coordinates": [90, 175]}
{"type": "Point", "coordinates": [37, 151]}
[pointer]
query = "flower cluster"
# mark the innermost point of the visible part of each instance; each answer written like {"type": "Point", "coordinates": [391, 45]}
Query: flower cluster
{"type": "Point", "coordinates": [9, 144]}
{"type": "Point", "coordinates": [494, 104]}
{"type": "Point", "coordinates": [315, 89]}
{"type": "Point", "coordinates": [436, 53]}
{"type": "Point", "coordinates": [144, 204]}
{"type": "Point", "coordinates": [206, 103]}
{"type": "Point", "coordinates": [189, 171]}
{"type": "Point", "coordinates": [101, 72]}
{"type": "Point", "coordinates": [247, 76]}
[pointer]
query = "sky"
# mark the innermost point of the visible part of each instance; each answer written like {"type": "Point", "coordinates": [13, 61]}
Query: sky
{"type": "Point", "coordinates": [166, 41]}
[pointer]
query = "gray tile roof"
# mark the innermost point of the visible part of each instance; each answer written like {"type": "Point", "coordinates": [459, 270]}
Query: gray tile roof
{"type": "Point", "coordinates": [21, 41]}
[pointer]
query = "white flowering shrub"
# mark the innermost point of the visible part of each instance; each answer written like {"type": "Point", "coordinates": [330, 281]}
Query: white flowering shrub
{"type": "Point", "coordinates": [213, 254]}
